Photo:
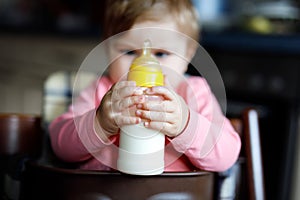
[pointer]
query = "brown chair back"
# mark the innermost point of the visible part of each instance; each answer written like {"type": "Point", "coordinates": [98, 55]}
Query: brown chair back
{"type": "Point", "coordinates": [251, 183]}
{"type": "Point", "coordinates": [20, 134]}
{"type": "Point", "coordinates": [21, 139]}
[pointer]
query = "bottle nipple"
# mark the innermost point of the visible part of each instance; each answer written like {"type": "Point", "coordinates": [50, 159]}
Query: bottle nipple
{"type": "Point", "coordinates": [145, 70]}
{"type": "Point", "coordinates": [147, 48]}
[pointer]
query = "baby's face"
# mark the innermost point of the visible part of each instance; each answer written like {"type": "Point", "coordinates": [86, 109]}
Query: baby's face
{"type": "Point", "coordinates": [169, 47]}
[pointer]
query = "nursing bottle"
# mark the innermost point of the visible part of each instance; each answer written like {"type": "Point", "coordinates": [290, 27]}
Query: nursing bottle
{"type": "Point", "coordinates": [141, 149]}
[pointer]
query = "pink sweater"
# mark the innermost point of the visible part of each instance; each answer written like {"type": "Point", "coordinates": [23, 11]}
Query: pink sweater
{"type": "Point", "coordinates": [209, 142]}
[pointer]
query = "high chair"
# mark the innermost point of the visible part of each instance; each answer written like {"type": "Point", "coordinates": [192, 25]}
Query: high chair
{"type": "Point", "coordinates": [245, 180]}
{"type": "Point", "coordinates": [20, 140]}
{"type": "Point", "coordinates": [50, 178]}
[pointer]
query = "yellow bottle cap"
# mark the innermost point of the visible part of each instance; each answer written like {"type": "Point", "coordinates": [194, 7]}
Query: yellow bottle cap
{"type": "Point", "coordinates": [146, 70]}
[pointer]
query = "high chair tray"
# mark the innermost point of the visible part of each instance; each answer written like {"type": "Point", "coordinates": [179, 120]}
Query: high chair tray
{"type": "Point", "coordinates": [50, 182]}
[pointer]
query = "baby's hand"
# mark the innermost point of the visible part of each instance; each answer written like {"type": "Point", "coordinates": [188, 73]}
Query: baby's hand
{"type": "Point", "coordinates": [114, 110]}
{"type": "Point", "coordinates": [169, 116]}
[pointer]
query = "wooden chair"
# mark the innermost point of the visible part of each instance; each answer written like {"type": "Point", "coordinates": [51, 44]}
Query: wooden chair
{"type": "Point", "coordinates": [51, 179]}
{"type": "Point", "coordinates": [20, 140]}
{"type": "Point", "coordinates": [254, 165]}
{"type": "Point", "coordinates": [48, 179]}
{"type": "Point", "coordinates": [247, 179]}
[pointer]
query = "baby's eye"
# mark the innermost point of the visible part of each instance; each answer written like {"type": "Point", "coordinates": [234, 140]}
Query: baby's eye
{"type": "Point", "coordinates": [129, 52]}
{"type": "Point", "coordinates": [161, 54]}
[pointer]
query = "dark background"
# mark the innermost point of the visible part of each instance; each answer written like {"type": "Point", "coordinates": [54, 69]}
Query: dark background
{"type": "Point", "coordinates": [260, 64]}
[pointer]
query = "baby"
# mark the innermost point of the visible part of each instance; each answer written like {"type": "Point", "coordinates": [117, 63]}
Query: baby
{"type": "Point", "coordinates": [185, 113]}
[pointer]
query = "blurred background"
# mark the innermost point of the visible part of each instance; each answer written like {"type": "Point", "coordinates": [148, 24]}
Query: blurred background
{"type": "Point", "coordinates": [255, 44]}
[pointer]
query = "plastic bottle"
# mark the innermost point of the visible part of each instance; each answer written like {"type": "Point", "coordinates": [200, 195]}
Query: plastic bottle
{"type": "Point", "coordinates": [141, 150]}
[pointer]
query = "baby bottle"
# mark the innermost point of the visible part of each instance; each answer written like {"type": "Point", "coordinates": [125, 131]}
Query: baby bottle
{"type": "Point", "coordinates": [141, 150]}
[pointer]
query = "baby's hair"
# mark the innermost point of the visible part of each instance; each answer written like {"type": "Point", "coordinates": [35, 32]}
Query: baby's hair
{"type": "Point", "coordinates": [121, 15]}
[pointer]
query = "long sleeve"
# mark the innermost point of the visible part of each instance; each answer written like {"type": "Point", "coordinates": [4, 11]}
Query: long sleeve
{"type": "Point", "coordinates": [209, 140]}
{"type": "Point", "coordinates": [73, 136]}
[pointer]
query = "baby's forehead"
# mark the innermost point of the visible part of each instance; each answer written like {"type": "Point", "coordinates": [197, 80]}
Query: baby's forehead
{"type": "Point", "coordinates": [160, 39]}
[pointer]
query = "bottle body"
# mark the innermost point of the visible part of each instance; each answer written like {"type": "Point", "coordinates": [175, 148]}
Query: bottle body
{"type": "Point", "coordinates": [141, 150]}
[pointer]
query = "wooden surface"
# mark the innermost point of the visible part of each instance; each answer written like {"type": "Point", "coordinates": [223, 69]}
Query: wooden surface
{"type": "Point", "coordinates": [48, 182]}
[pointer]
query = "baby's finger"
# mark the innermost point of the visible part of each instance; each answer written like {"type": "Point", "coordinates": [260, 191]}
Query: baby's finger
{"type": "Point", "coordinates": [121, 120]}
{"type": "Point", "coordinates": [131, 84]}
{"type": "Point", "coordinates": [126, 92]}
{"type": "Point", "coordinates": [163, 127]}
{"type": "Point", "coordinates": [156, 116]}
{"type": "Point", "coordinates": [163, 91]}
{"type": "Point", "coordinates": [163, 106]}
{"type": "Point", "coordinates": [127, 102]}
